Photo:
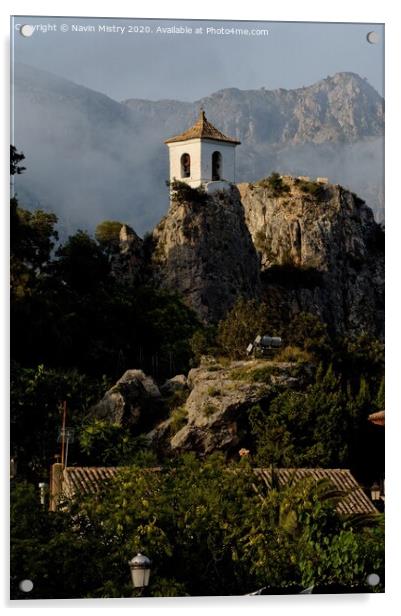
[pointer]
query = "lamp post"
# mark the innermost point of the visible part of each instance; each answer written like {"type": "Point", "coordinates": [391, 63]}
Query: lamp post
{"type": "Point", "coordinates": [375, 492]}
{"type": "Point", "coordinates": [140, 573]}
{"type": "Point", "coordinates": [42, 493]}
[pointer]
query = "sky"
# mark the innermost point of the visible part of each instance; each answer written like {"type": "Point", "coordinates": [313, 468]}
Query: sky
{"type": "Point", "coordinates": [135, 63]}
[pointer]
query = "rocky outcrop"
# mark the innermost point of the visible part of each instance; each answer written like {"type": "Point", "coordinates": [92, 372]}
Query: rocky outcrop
{"type": "Point", "coordinates": [204, 250]}
{"type": "Point", "coordinates": [129, 262]}
{"type": "Point", "coordinates": [214, 416]}
{"type": "Point", "coordinates": [315, 245]}
{"type": "Point", "coordinates": [321, 252]}
{"type": "Point", "coordinates": [134, 401]}
{"type": "Point", "coordinates": [176, 384]}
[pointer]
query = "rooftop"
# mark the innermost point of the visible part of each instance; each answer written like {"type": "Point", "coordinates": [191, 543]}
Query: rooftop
{"type": "Point", "coordinates": [90, 480]}
{"type": "Point", "coordinates": [202, 129]}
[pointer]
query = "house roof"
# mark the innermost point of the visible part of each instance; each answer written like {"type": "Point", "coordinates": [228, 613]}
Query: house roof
{"type": "Point", "coordinates": [377, 418]}
{"type": "Point", "coordinates": [202, 129]}
{"type": "Point", "coordinates": [90, 480]}
{"type": "Point", "coordinates": [355, 499]}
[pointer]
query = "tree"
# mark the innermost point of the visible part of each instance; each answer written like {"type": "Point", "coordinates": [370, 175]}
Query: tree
{"type": "Point", "coordinates": [16, 159]}
{"type": "Point", "coordinates": [36, 394]}
{"type": "Point", "coordinates": [245, 320]}
{"type": "Point", "coordinates": [81, 263]}
{"type": "Point", "coordinates": [304, 428]}
{"type": "Point", "coordinates": [33, 236]}
{"type": "Point", "coordinates": [309, 332]}
{"type": "Point", "coordinates": [106, 444]}
{"type": "Point", "coordinates": [208, 528]}
{"type": "Point", "coordinates": [297, 539]}
{"type": "Point", "coordinates": [107, 235]}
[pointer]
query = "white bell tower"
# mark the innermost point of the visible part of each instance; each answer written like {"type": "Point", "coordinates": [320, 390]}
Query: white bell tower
{"type": "Point", "coordinates": [203, 156]}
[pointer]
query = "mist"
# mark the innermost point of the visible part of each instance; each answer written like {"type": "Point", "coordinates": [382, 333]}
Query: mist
{"type": "Point", "coordinates": [90, 158]}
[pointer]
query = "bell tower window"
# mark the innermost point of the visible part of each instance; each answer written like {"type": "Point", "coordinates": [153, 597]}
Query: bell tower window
{"type": "Point", "coordinates": [216, 166]}
{"type": "Point", "coordinates": [185, 166]}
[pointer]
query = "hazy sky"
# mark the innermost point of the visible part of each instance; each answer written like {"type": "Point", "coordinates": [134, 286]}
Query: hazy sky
{"type": "Point", "coordinates": [190, 66]}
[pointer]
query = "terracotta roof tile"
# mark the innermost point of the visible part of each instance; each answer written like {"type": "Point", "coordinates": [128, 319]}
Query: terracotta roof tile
{"type": "Point", "coordinates": [202, 129]}
{"type": "Point", "coordinates": [90, 480]}
{"type": "Point", "coordinates": [355, 499]}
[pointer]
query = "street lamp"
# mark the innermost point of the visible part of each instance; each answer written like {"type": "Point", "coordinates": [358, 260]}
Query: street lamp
{"type": "Point", "coordinates": [140, 571]}
{"type": "Point", "coordinates": [42, 493]}
{"type": "Point", "coordinates": [375, 492]}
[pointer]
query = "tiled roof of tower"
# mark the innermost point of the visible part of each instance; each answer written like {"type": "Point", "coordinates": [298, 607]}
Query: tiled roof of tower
{"type": "Point", "coordinates": [91, 480]}
{"type": "Point", "coordinates": [203, 129]}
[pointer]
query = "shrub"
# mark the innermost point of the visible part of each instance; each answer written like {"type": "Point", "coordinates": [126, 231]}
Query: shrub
{"type": "Point", "coordinates": [178, 418]}
{"type": "Point", "coordinates": [275, 184]}
{"type": "Point", "coordinates": [243, 322]}
{"type": "Point", "coordinates": [293, 354]}
{"type": "Point", "coordinates": [312, 188]}
{"type": "Point", "coordinates": [255, 375]}
{"type": "Point", "coordinates": [209, 409]}
{"type": "Point", "coordinates": [214, 392]}
{"type": "Point", "coordinates": [183, 193]}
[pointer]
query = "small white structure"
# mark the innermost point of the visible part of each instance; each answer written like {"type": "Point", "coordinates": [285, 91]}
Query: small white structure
{"type": "Point", "coordinates": [203, 156]}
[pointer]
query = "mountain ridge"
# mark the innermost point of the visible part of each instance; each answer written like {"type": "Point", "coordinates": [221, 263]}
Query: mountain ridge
{"type": "Point", "coordinates": [91, 158]}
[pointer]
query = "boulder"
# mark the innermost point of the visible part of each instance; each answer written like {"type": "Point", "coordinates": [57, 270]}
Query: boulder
{"type": "Point", "coordinates": [135, 400]}
{"type": "Point", "coordinates": [177, 383]}
{"type": "Point", "coordinates": [221, 397]}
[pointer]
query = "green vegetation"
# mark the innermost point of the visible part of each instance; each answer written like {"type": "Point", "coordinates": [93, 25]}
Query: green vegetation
{"type": "Point", "coordinates": [106, 444]}
{"type": "Point", "coordinates": [275, 184]}
{"type": "Point", "coordinates": [196, 516]}
{"type": "Point", "coordinates": [184, 193]}
{"type": "Point", "coordinates": [209, 409]}
{"type": "Point", "coordinates": [208, 528]}
{"type": "Point", "coordinates": [242, 323]}
{"type": "Point", "coordinates": [254, 375]}
{"type": "Point", "coordinates": [318, 426]}
{"type": "Point", "coordinates": [314, 189]}
{"type": "Point", "coordinates": [107, 235]}
{"type": "Point", "coordinates": [214, 392]}
{"type": "Point", "coordinates": [294, 354]}
{"type": "Point", "coordinates": [179, 417]}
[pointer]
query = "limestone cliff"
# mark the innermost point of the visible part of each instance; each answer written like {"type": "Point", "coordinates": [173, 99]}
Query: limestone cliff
{"type": "Point", "coordinates": [204, 251]}
{"type": "Point", "coordinates": [299, 245]}
{"type": "Point", "coordinates": [321, 251]}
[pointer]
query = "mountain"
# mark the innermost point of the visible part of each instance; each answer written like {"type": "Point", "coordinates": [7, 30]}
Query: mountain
{"type": "Point", "coordinates": [343, 108]}
{"type": "Point", "coordinates": [87, 157]}
{"type": "Point", "coordinates": [91, 158]}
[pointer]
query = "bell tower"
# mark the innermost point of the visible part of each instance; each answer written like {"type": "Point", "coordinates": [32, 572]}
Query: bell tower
{"type": "Point", "coordinates": [203, 156]}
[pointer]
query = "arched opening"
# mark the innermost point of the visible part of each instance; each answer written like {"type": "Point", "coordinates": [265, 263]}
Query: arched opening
{"type": "Point", "coordinates": [216, 166]}
{"type": "Point", "coordinates": [185, 166]}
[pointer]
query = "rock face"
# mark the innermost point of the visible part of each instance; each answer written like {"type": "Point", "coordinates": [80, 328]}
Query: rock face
{"type": "Point", "coordinates": [321, 252]}
{"type": "Point", "coordinates": [129, 262]}
{"type": "Point", "coordinates": [215, 412]}
{"type": "Point", "coordinates": [135, 400]}
{"type": "Point", "coordinates": [299, 245]}
{"type": "Point", "coordinates": [204, 251]}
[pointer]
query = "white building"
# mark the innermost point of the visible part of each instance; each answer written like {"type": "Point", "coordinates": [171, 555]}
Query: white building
{"type": "Point", "coordinates": [203, 156]}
